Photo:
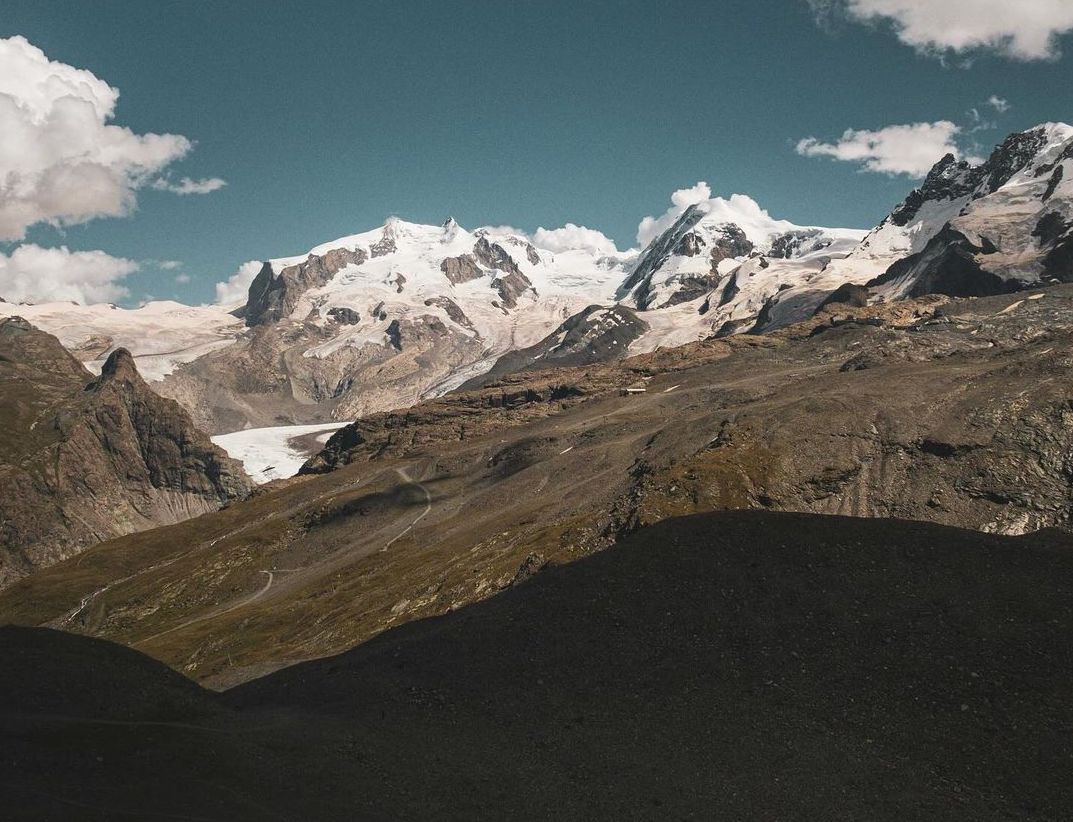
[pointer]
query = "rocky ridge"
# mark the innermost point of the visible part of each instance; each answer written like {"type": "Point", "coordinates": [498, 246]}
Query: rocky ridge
{"type": "Point", "coordinates": [85, 459]}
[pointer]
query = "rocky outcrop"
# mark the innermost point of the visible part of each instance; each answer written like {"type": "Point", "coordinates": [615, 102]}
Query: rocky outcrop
{"type": "Point", "coordinates": [947, 265]}
{"type": "Point", "coordinates": [273, 297]}
{"type": "Point", "coordinates": [639, 283]}
{"type": "Point", "coordinates": [949, 179]}
{"type": "Point", "coordinates": [461, 269]}
{"type": "Point", "coordinates": [511, 286]}
{"type": "Point", "coordinates": [792, 243]}
{"type": "Point", "coordinates": [594, 335]}
{"type": "Point", "coordinates": [847, 294]}
{"type": "Point", "coordinates": [344, 316]}
{"type": "Point", "coordinates": [86, 459]}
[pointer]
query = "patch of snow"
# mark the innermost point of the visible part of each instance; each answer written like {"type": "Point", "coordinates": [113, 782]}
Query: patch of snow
{"type": "Point", "coordinates": [273, 453]}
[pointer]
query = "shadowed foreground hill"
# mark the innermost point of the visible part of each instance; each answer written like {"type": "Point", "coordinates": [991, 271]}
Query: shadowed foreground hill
{"type": "Point", "coordinates": [742, 665]}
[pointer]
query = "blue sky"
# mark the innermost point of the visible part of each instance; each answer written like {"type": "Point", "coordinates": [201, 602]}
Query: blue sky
{"type": "Point", "coordinates": [325, 117]}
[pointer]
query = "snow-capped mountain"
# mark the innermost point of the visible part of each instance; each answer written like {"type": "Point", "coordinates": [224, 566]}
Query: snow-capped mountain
{"type": "Point", "coordinates": [725, 260]}
{"type": "Point", "coordinates": [710, 240]}
{"type": "Point", "coordinates": [485, 285]}
{"type": "Point", "coordinates": [384, 318]}
{"type": "Point", "coordinates": [971, 230]}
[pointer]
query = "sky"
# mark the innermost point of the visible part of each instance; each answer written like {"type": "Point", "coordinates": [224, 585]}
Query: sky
{"type": "Point", "coordinates": [152, 148]}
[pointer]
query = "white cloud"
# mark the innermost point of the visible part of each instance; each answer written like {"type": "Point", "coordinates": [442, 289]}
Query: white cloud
{"type": "Point", "coordinates": [652, 227]}
{"type": "Point", "coordinates": [907, 149]}
{"type": "Point", "coordinates": [61, 161]}
{"type": "Point", "coordinates": [182, 279]}
{"type": "Point", "coordinates": [236, 288]}
{"type": "Point", "coordinates": [572, 236]}
{"type": "Point", "coordinates": [1022, 30]}
{"type": "Point", "coordinates": [188, 186]}
{"type": "Point", "coordinates": [34, 274]}
{"type": "Point", "coordinates": [740, 209]}
{"type": "Point", "coordinates": [168, 265]}
{"type": "Point", "coordinates": [999, 104]}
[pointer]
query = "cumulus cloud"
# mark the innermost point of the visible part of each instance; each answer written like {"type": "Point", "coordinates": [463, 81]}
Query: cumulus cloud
{"type": "Point", "coordinates": [907, 149]}
{"type": "Point", "coordinates": [187, 186]}
{"type": "Point", "coordinates": [1022, 30]}
{"type": "Point", "coordinates": [182, 279]}
{"type": "Point", "coordinates": [236, 287]}
{"type": "Point", "coordinates": [740, 209]}
{"type": "Point", "coordinates": [61, 161]}
{"type": "Point", "coordinates": [34, 274]}
{"type": "Point", "coordinates": [168, 265]}
{"type": "Point", "coordinates": [572, 236]}
{"type": "Point", "coordinates": [683, 198]}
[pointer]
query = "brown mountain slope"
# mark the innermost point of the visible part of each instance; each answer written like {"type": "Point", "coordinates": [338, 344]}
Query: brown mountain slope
{"type": "Point", "coordinates": [84, 460]}
{"type": "Point", "coordinates": [949, 411]}
{"type": "Point", "coordinates": [746, 665]}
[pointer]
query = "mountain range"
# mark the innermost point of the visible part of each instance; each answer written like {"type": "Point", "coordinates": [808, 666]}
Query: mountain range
{"type": "Point", "coordinates": [405, 312]}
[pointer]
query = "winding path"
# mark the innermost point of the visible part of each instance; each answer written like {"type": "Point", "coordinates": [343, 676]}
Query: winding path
{"type": "Point", "coordinates": [428, 507]}
{"type": "Point", "coordinates": [248, 600]}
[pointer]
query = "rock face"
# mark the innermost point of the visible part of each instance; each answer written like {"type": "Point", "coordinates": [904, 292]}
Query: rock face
{"type": "Point", "coordinates": [84, 460]}
{"type": "Point", "coordinates": [273, 297]}
{"type": "Point", "coordinates": [596, 334]}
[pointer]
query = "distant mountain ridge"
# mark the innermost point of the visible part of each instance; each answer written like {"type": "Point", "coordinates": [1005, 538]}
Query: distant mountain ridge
{"type": "Point", "coordinates": [404, 312]}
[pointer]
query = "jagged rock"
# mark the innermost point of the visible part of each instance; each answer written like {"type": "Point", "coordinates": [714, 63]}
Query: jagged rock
{"type": "Point", "coordinates": [849, 294]}
{"type": "Point", "coordinates": [948, 179]}
{"type": "Point", "coordinates": [532, 565]}
{"type": "Point", "coordinates": [947, 265]}
{"type": "Point", "coordinates": [461, 269]}
{"type": "Point", "coordinates": [494, 256]}
{"type": "Point", "coordinates": [273, 297]}
{"type": "Point", "coordinates": [85, 459]}
{"type": "Point", "coordinates": [596, 334]}
{"type": "Point", "coordinates": [452, 309]}
{"type": "Point", "coordinates": [344, 316]}
{"type": "Point", "coordinates": [730, 243]}
{"type": "Point", "coordinates": [386, 244]}
{"type": "Point", "coordinates": [790, 244]}
{"type": "Point", "coordinates": [511, 286]}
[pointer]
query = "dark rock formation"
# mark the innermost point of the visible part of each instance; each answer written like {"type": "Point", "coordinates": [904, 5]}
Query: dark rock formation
{"type": "Point", "coordinates": [597, 334]}
{"type": "Point", "coordinates": [273, 297]}
{"type": "Point", "coordinates": [948, 179]}
{"type": "Point", "coordinates": [847, 294]}
{"type": "Point", "coordinates": [511, 286]}
{"type": "Point", "coordinates": [461, 269]}
{"type": "Point", "coordinates": [790, 244]}
{"type": "Point", "coordinates": [452, 309]}
{"type": "Point", "coordinates": [657, 253]}
{"type": "Point", "coordinates": [727, 241]}
{"type": "Point", "coordinates": [947, 265]}
{"type": "Point", "coordinates": [494, 256]}
{"type": "Point", "coordinates": [344, 316]}
{"type": "Point", "coordinates": [730, 243]}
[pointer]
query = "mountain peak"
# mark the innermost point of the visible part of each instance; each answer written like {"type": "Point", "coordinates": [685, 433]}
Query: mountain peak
{"type": "Point", "coordinates": [120, 365]}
